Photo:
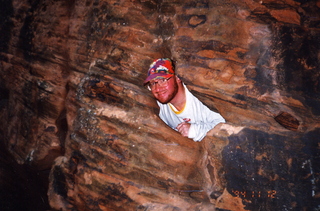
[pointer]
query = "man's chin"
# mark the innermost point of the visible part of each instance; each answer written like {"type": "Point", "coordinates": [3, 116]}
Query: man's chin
{"type": "Point", "coordinates": [164, 99]}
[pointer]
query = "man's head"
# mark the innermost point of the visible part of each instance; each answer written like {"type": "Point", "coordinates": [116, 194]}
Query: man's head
{"type": "Point", "coordinates": [161, 80]}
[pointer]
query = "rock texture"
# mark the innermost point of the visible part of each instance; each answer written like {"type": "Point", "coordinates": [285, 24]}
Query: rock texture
{"type": "Point", "coordinates": [72, 102]}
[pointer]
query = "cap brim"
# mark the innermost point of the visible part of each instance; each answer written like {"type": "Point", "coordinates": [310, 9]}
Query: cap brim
{"type": "Point", "coordinates": [156, 75]}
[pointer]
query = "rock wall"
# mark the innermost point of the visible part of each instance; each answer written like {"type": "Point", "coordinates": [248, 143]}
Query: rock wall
{"type": "Point", "coordinates": [72, 102]}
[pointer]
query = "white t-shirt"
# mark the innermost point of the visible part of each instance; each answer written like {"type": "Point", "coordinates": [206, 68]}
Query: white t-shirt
{"type": "Point", "coordinates": [201, 118]}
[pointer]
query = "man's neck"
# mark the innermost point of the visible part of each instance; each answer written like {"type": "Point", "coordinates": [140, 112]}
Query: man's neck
{"type": "Point", "coordinates": [179, 100]}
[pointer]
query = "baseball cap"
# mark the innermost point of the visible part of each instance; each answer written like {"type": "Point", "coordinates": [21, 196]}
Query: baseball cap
{"type": "Point", "coordinates": [160, 68]}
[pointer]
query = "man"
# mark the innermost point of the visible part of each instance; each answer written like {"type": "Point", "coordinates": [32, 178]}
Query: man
{"type": "Point", "coordinates": [179, 109]}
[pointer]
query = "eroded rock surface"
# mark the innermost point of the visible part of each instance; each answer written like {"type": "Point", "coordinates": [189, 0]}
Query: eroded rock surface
{"type": "Point", "coordinates": [72, 102]}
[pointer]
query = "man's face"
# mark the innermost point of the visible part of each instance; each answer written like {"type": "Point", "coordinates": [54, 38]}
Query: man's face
{"type": "Point", "coordinates": [166, 92]}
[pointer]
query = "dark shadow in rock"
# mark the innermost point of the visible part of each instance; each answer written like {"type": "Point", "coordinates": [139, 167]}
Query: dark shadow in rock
{"type": "Point", "coordinates": [21, 187]}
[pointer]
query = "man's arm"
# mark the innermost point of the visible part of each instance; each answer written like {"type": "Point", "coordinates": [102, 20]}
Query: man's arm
{"type": "Point", "coordinates": [198, 130]}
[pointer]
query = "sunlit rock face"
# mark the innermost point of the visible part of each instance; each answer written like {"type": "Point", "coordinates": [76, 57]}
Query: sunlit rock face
{"type": "Point", "coordinates": [72, 101]}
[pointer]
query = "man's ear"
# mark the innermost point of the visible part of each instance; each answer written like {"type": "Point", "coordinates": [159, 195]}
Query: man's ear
{"type": "Point", "coordinates": [178, 79]}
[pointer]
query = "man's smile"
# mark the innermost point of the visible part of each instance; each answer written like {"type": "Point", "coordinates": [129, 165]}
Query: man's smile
{"type": "Point", "coordinates": [162, 92]}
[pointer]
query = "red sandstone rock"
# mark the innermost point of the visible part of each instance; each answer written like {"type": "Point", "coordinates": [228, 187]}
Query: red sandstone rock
{"type": "Point", "coordinates": [72, 101]}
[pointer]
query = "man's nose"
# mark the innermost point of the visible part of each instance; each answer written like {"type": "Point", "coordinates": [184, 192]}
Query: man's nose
{"type": "Point", "coordinates": [156, 86]}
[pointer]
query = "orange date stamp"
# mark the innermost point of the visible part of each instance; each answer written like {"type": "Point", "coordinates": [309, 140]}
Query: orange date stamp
{"type": "Point", "coordinates": [255, 194]}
